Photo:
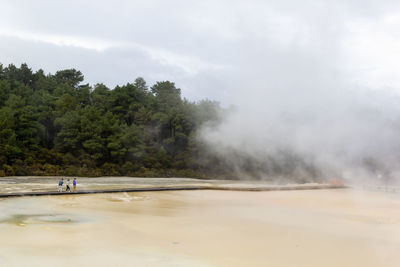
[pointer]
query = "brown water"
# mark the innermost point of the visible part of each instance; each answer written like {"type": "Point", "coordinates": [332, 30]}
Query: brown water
{"type": "Point", "coordinates": [202, 228]}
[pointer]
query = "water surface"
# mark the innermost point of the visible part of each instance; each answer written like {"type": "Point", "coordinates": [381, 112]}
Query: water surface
{"type": "Point", "coordinates": [202, 228]}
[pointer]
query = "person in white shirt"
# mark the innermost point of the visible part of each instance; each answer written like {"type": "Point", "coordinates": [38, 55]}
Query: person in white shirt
{"type": "Point", "coordinates": [68, 188]}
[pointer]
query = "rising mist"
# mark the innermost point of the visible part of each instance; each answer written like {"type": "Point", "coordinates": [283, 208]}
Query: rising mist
{"type": "Point", "coordinates": [313, 103]}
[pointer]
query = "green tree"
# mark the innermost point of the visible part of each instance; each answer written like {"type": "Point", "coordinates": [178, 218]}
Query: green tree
{"type": "Point", "coordinates": [56, 123]}
{"type": "Point", "coordinates": [70, 77]}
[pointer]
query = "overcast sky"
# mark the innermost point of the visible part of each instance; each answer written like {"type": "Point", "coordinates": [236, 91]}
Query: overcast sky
{"type": "Point", "coordinates": [317, 78]}
{"type": "Point", "coordinates": [210, 49]}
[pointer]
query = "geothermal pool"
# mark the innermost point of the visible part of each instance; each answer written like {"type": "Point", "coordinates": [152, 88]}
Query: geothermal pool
{"type": "Point", "coordinates": [341, 227]}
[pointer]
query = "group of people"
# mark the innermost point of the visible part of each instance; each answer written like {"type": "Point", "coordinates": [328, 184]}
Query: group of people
{"type": "Point", "coordinates": [67, 185]}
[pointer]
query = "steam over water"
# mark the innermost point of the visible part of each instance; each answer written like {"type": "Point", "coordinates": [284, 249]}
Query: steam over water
{"type": "Point", "coordinates": [319, 128]}
{"type": "Point", "coordinates": [315, 93]}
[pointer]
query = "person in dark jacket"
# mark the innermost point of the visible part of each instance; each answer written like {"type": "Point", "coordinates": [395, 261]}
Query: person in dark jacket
{"type": "Point", "coordinates": [60, 184]}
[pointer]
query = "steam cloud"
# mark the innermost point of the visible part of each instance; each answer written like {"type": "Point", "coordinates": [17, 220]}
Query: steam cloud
{"type": "Point", "coordinates": [314, 82]}
{"type": "Point", "coordinates": [314, 103]}
{"type": "Point", "coordinates": [319, 135]}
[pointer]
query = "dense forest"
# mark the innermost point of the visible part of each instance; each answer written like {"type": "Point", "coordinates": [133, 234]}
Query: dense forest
{"type": "Point", "coordinates": [55, 124]}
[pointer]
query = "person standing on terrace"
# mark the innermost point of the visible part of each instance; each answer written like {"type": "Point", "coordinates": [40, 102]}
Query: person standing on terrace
{"type": "Point", "coordinates": [60, 185]}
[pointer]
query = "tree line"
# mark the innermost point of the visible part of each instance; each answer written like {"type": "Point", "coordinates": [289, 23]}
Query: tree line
{"type": "Point", "coordinates": [55, 124]}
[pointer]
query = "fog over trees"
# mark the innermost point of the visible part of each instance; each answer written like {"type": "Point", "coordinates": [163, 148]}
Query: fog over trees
{"type": "Point", "coordinates": [55, 124]}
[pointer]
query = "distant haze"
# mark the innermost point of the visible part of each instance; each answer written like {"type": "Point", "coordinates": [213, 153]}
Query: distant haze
{"type": "Point", "coordinates": [315, 79]}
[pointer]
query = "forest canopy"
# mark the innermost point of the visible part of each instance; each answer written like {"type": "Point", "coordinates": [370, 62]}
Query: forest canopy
{"type": "Point", "coordinates": [55, 124]}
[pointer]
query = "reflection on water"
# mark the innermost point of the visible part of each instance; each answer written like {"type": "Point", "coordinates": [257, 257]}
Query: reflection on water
{"type": "Point", "coordinates": [25, 219]}
{"type": "Point", "coordinates": [124, 197]}
{"type": "Point", "coordinates": [39, 211]}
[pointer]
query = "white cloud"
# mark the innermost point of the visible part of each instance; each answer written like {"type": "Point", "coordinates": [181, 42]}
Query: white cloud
{"type": "Point", "coordinates": [223, 42]}
{"type": "Point", "coordinates": [61, 40]}
{"type": "Point", "coordinates": [189, 64]}
{"type": "Point", "coordinates": [371, 48]}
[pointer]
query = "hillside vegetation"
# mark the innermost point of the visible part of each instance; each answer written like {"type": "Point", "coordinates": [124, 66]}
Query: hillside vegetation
{"type": "Point", "coordinates": [55, 124]}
